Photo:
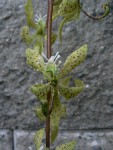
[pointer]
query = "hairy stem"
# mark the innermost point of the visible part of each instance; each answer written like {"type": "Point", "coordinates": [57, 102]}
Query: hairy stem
{"type": "Point", "coordinates": [49, 53]}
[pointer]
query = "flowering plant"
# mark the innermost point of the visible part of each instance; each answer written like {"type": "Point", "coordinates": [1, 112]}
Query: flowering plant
{"type": "Point", "coordinates": [56, 80]}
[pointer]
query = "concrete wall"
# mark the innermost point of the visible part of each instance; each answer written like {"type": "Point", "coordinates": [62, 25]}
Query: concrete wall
{"type": "Point", "coordinates": [91, 112]}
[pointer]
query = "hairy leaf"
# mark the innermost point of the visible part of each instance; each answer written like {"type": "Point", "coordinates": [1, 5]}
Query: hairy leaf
{"type": "Point", "coordinates": [70, 92]}
{"type": "Point", "coordinates": [70, 10]}
{"type": "Point", "coordinates": [41, 90]}
{"type": "Point", "coordinates": [65, 81]}
{"type": "Point", "coordinates": [38, 138]}
{"type": "Point", "coordinates": [67, 146]}
{"type": "Point", "coordinates": [58, 111]}
{"type": "Point", "coordinates": [73, 60]}
{"type": "Point", "coordinates": [34, 59]}
{"type": "Point", "coordinates": [26, 35]}
{"type": "Point", "coordinates": [30, 14]}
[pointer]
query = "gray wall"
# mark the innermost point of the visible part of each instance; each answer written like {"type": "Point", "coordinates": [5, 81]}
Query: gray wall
{"type": "Point", "coordinates": [92, 110]}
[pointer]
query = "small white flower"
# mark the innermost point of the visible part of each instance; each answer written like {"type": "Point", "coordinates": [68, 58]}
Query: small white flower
{"type": "Point", "coordinates": [41, 148]}
{"type": "Point", "coordinates": [52, 58]}
{"type": "Point", "coordinates": [39, 18]}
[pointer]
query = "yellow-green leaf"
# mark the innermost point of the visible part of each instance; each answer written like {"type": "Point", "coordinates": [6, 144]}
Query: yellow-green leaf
{"type": "Point", "coordinates": [38, 138]}
{"type": "Point", "coordinates": [70, 92]}
{"type": "Point", "coordinates": [73, 60]}
{"type": "Point", "coordinates": [30, 14]}
{"type": "Point", "coordinates": [58, 111]}
{"type": "Point", "coordinates": [26, 35]}
{"type": "Point", "coordinates": [41, 90]}
{"type": "Point", "coordinates": [67, 146]}
{"type": "Point", "coordinates": [34, 59]}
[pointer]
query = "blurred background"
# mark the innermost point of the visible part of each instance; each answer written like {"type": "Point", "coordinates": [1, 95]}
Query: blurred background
{"type": "Point", "coordinates": [89, 115]}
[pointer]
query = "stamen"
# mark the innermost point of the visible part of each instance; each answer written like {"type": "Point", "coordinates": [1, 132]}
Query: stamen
{"type": "Point", "coordinates": [56, 55]}
{"type": "Point", "coordinates": [44, 56]}
{"type": "Point", "coordinates": [57, 58]}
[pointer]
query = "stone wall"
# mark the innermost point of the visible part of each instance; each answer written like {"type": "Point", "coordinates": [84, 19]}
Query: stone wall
{"type": "Point", "coordinates": [90, 116]}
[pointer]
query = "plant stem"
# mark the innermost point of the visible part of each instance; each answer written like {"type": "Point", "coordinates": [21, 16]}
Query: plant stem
{"type": "Point", "coordinates": [49, 53]}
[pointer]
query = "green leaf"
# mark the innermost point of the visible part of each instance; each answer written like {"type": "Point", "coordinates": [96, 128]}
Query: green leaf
{"type": "Point", "coordinates": [57, 2]}
{"type": "Point", "coordinates": [39, 114]}
{"type": "Point", "coordinates": [70, 10]}
{"type": "Point", "coordinates": [38, 138]}
{"type": "Point", "coordinates": [70, 92]}
{"type": "Point", "coordinates": [34, 59]}
{"type": "Point", "coordinates": [106, 7]}
{"type": "Point", "coordinates": [41, 90]}
{"type": "Point", "coordinates": [26, 35]}
{"type": "Point", "coordinates": [73, 60]}
{"type": "Point", "coordinates": [67, 146]}
{"type": "Point", "coordinates": [45, 107]}
{"type": "Point", "coordinates": [58, 111]}
{"type": "Point", "coordinates": [30, 14]}
{"type": "Point", "coordinates": [65, 81]}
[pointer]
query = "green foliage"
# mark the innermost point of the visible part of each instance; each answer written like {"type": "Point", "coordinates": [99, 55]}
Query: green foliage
{"type": "Point", "coordinates": [38, 138]}
{"type": "Point", "coordinates": [30, 14]}
{"type": "Point", "coordinates": [28, 39]}
{"type": "Point", "coordinates": [67, 146]}
{"type": "Point", "coordinates": [55, 81]}
{"type": "Point", "coordinates": [34, 59]}
{"type": "Point", "coordinates": [69, 10]}
{"type": "Point", "coordinates": [73, 60]}
{"type": "Point", "coordinates": [58, 111]}
{"type": "Point", "coordinates": [70, 92]}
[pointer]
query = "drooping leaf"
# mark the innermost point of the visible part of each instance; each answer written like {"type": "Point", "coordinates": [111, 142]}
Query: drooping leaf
{"type": "Point", "coordinates": [28, 39]}
{"type": "Point", "coordinates": [70, 10]}
{"type": "Point", "coordinates": [39, 114]}
{"type": "Point", "coordinates": [73, 60]}
{"type": "Point", "coordinates": [65, 81]}
{"type": "Point", "coordinates": [106, 7]}
{"type": "Point", "coordinates": [30, 14]}
{"type": "Point", "coordinates": [70, 92]}
{"type": "Point", "coordinates": [38, 138]}
{"type": "Point", "coordinates": [34, 59]}
{"type": "Point", "coordinates": [41, 90]}
{"type": "Point", "coordinates": [67, 146]}
{"type": "Point", "coordinates": [58, 111]}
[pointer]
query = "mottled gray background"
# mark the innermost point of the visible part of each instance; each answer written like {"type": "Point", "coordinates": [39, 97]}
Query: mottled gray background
{"type": "Point", "coordinates": [91, 110]}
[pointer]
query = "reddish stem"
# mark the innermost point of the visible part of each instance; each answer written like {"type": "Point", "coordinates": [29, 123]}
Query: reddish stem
{"type": "Point", "coordinates": [49, 53]}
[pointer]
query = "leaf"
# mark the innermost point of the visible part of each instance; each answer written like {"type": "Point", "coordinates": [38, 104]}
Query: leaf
{"type": "Point", "coordinates": [67, 146]}
{"type": "Point", "coordinates": [30, 14]}
{"type": "Point", "coordinates": [45, 107]}
{"type": "Point", "coordinates": [41, 90]}
{"type": "Point", "coordinates": [58, 111]}
{"type": "Point", "coordinates": [57, 2]}
{"type": "Point", "coordinates": [69, 7]}
{"type": "Point", "coordinates": [70, 10]}
{"type": "Point", "coordinates": [106, 7]}
{"type": "Point", "coordinates": [38, 138]}
{"type": "Point", "coordinates": [70, 92]}
{"type": "Point", "coordinates": [34, 59]}
{"type": "Point", "coordinates": [73, 60]}
{"type": "Point", "coordinates": [39, 114]}
{"type": "Point", "coordinates": [26, 35]}
{"type": "Point", "coordinates": [65, 81]}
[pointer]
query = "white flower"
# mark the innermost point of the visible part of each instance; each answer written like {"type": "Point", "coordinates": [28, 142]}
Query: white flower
{"type": "Point", "coordinates": [39, 18]}
{"type": "Point", "coordinates": [53, 59]}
